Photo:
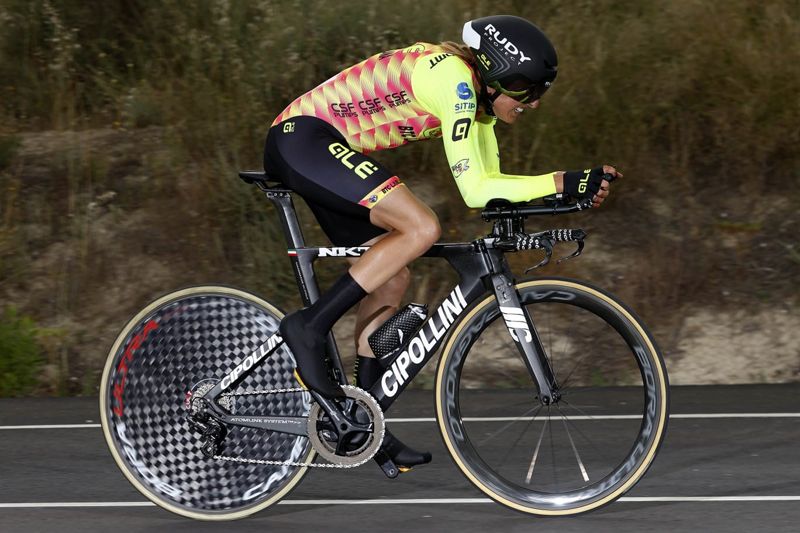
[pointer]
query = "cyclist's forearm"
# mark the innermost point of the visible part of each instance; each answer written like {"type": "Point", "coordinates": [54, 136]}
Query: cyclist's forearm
{"type": "Point", "coordinates": [478, 192]}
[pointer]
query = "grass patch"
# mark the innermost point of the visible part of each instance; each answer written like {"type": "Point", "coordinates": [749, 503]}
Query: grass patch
{"type": "Point", "coordinates": [20, 358]}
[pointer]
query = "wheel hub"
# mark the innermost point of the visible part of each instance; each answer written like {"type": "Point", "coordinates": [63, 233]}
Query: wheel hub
{"type": "Point", "coordinates": [192, 404]}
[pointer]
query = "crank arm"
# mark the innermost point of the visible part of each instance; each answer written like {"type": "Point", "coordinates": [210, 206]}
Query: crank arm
{"type": "Point", "coordinates": [386, 464]}
{"type": "Point", "coordinates": [342, 423]}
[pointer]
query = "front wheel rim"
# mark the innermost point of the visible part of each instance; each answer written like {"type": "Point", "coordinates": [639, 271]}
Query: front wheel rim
{"type": "Point", "coordinates": [603, 491]}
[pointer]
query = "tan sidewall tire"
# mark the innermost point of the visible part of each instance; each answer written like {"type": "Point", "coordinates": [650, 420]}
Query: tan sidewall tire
{"type": "Point", "coordinates": [662, 415]}
{"type": "Point", "coordinates": [123, 465]}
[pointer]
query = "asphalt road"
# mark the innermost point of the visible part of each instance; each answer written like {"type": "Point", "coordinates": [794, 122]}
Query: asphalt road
{"type": "Point", "coordinates": [739, 472]}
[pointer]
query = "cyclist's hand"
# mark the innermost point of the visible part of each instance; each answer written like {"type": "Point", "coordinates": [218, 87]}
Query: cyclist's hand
{"type": "Point", "coordinates": [590, 183]}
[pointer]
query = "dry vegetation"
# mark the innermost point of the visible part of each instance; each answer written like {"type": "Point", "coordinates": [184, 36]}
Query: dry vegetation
{"type": "Point", "coordinates": [122, 124]}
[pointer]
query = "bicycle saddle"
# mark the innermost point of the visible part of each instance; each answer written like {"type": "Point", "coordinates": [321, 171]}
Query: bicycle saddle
{"type": "Point", "coordinates": [258, 176]}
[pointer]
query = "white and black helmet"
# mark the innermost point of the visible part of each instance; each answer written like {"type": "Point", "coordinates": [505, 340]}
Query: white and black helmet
{"type": "Point", "coordinates": [514, 56]}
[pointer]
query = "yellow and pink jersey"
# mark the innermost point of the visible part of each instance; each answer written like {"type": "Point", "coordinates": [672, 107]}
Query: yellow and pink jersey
{"type": "Point", "coordinates": [417, 93]}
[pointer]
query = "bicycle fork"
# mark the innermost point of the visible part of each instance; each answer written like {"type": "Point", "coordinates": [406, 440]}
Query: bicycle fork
{"type": "Point", "coordinates": [526, 338]}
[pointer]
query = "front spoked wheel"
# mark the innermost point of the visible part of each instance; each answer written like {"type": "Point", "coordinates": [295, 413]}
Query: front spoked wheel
{"type": "Point", "coordinates": [584, 450]}
{"type": "Point", "coordinates": [165, 359]}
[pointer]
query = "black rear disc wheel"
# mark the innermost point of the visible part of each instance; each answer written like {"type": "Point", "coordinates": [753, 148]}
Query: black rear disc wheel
{"type": "Point", "coordinates": [169, 352]}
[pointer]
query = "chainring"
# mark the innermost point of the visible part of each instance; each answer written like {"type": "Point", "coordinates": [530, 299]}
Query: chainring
{"type": "Point", "coordinates": [324, 439]}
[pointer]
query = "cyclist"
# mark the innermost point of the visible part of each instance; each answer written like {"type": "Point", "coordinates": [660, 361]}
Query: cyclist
{"type": "Point", "coordinates": [318, 147]}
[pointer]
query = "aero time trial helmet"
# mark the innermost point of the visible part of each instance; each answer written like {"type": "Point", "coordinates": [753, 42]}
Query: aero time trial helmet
{"type": "Point", "coordinates": [514, 56]}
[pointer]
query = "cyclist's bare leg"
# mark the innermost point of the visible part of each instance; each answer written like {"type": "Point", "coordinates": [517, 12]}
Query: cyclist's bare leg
{"type": "Point", "coordinates": [413, 228]}
{"type": "Point", "coordinates": [378, 306]}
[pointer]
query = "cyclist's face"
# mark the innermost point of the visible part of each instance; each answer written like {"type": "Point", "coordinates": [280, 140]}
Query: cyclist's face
{"type": "Point", "coordinates": [508, 110]}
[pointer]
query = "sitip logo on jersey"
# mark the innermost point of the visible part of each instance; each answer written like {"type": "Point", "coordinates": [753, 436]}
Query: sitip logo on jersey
{"type": "Point", "coordinates": [463, 91]}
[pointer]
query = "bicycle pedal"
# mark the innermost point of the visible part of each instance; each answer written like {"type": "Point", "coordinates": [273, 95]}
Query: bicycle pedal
{"type": "Point", "coordinates": [387, 465]}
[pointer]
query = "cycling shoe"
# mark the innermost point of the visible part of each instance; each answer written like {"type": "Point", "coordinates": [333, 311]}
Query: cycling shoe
{"type": "Point", "coordinates": [368, 370]}
{"type": "Point", "coordinates": [308, 349]}
{"type": "Point", "coordinates": [403, 456]}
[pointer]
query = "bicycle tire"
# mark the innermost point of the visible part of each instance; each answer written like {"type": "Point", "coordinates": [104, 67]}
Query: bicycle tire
{"type": "Point", "coordinates": [613, 406]}
{"type": "Point", "coordinates": [176, 344]}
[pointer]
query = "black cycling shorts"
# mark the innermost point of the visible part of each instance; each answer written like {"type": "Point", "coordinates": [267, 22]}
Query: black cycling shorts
{"type": "Point", "coordinates": [339, 184]}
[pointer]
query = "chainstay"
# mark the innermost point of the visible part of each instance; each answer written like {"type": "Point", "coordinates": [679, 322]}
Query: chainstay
{"type": "Point", "coordinates": [269, 462]}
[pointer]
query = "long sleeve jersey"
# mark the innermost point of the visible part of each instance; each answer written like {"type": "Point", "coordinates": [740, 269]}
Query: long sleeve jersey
{"type": "Point", "coordinates": [414, 94]}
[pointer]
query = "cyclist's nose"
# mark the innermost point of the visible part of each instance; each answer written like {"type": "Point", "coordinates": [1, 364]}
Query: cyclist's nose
{"type": "Point", "coordinates": [534, 104]}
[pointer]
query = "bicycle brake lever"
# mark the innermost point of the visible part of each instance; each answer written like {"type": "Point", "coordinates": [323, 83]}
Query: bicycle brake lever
{"type": "Point", "coordinates": [574, 254]}
{"type": "Point", "coordinates": [547, 246]}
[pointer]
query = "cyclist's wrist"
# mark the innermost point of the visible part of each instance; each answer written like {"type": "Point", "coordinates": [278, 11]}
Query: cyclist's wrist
{"type": "Point", "coordinates": [558, 180]}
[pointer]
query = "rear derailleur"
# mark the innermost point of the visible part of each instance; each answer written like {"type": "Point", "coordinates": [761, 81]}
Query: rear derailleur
{"type": "Point", "coordinates": [212, 432]}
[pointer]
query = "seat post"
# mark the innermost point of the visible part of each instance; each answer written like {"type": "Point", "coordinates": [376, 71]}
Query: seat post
{"type": "Point", "coordinates": [303, 269]}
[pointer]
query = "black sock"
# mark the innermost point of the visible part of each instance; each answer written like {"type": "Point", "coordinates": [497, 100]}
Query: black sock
{"type": "Point", "coordinates": [366, 372]}
{"type": "Point", "coordinates": [344, 294]}
{"type": "Point", "coordinates": [304, 333]}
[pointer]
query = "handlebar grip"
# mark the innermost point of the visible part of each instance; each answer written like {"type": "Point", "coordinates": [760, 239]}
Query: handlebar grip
{"type": "Point", "coordinates": [532, 241]}
{"type": "Point", "coordinates": [565, 235]}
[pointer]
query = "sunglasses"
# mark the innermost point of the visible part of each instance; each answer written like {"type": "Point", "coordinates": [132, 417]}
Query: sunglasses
{"type": "Point", "coordinates": [529, 94]}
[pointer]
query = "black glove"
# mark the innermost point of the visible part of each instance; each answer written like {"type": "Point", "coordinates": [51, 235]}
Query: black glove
{"type": "Point", "coordinates": [583, 183]}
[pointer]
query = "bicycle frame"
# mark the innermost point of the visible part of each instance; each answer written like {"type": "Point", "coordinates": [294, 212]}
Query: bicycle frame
{"type": "Point", "coordinates": [480, 267]}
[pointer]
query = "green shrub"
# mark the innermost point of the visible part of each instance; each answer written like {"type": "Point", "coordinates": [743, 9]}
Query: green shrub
{"type": "Point", "coordinates": [20, 359]}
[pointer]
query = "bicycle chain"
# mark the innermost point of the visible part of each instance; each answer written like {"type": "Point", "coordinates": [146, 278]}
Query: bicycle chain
{"type": "Point", "coordinates": [268, 462]}
{"type": "Point", "coordinates": [257, 392]}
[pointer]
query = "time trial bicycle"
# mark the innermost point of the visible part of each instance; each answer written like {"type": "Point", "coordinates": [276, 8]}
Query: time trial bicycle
{"type": "Point", "coordinates": [551, 396]}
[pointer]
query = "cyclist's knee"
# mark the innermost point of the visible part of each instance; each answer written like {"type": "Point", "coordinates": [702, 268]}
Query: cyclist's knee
{"type": "Point", "coordinates": [425, 232]}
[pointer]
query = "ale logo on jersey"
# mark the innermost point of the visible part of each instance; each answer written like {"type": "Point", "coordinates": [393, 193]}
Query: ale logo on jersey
{"type": "Point", "coordinates": [463, 91]}
{"type": "Point", "coordinates": [461, 129]}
